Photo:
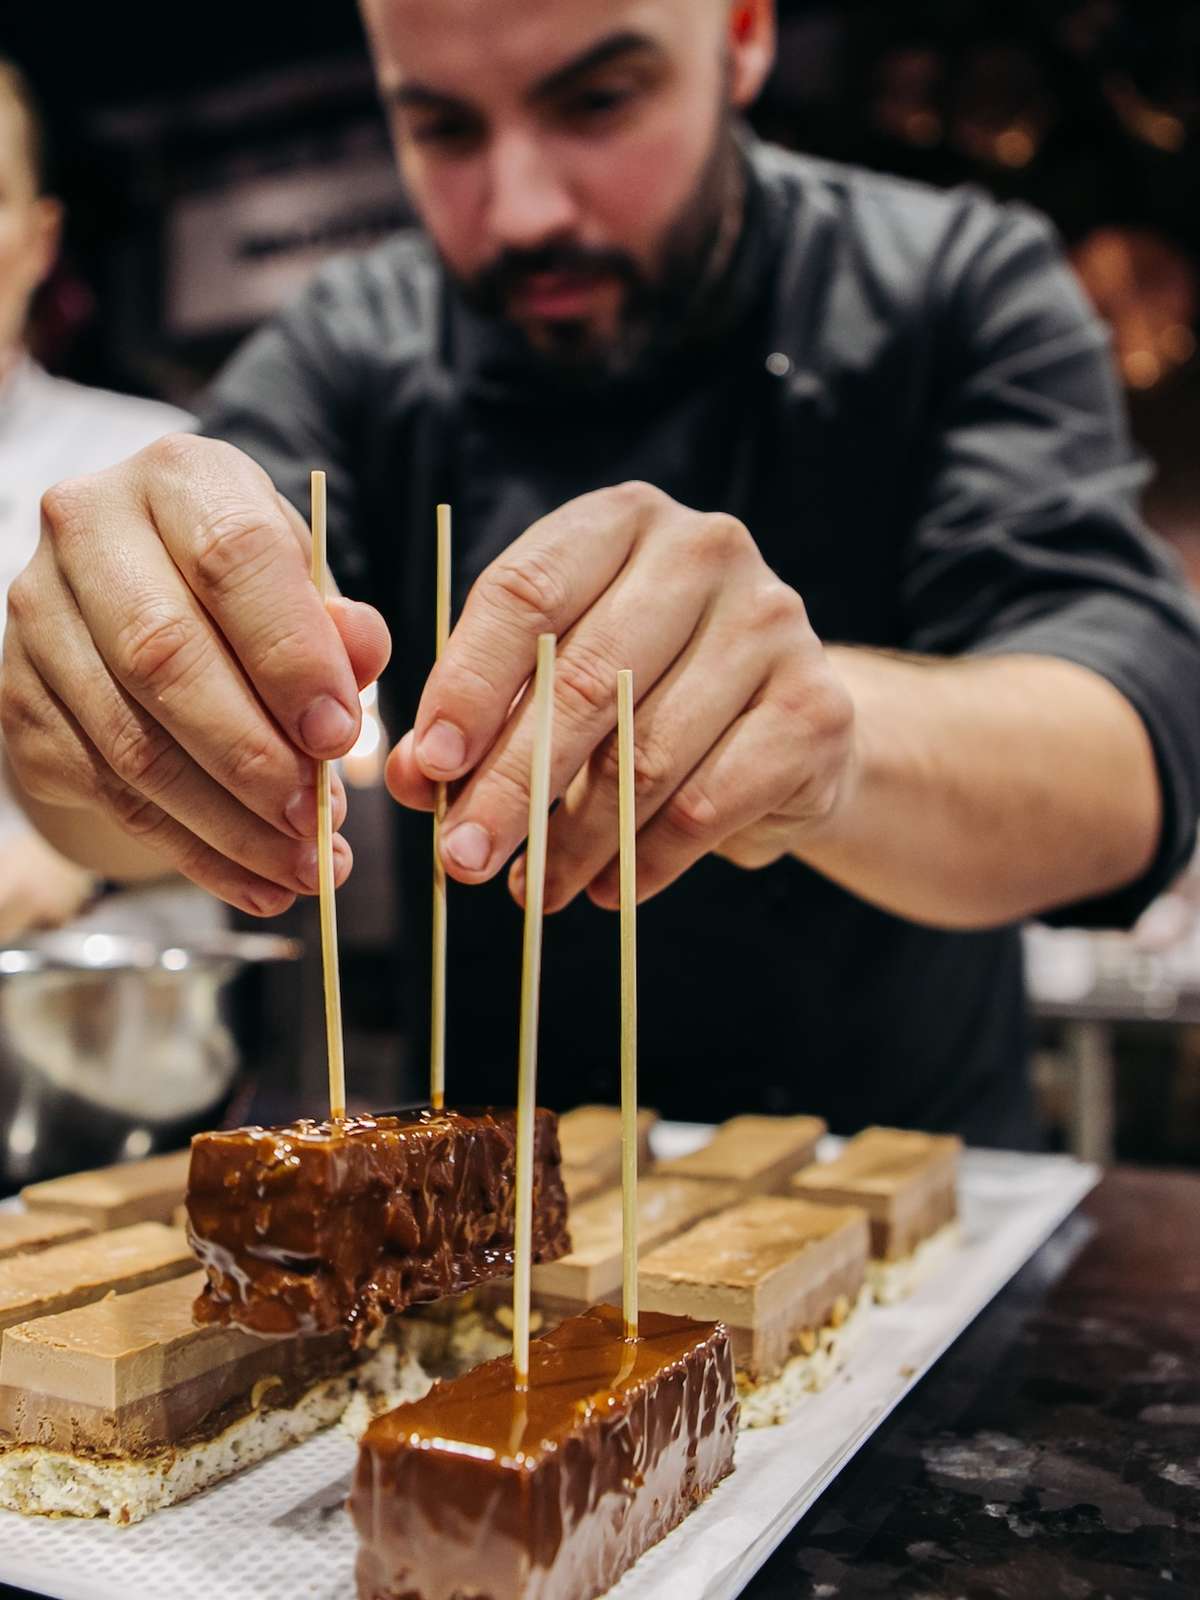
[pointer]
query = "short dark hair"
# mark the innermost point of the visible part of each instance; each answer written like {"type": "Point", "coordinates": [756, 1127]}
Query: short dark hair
{"type": "Point", "coordinates": [14, 82]}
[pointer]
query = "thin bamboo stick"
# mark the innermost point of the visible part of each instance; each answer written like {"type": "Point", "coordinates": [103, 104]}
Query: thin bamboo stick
{"type": "Point", "coordinates": [535, 885]}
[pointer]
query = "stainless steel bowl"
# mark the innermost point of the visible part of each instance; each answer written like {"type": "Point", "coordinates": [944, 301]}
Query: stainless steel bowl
{"type": "Point", "coordinates": [112, 1047]}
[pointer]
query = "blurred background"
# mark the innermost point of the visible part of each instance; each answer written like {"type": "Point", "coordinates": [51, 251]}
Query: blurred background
{"type": "Point", "coordinates": [208, 170]}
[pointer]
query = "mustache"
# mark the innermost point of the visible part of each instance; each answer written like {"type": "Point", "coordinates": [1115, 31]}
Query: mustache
{"type": "Point", "coordinates": [495, 286]}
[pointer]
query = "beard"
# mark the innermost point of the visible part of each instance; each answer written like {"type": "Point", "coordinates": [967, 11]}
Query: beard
{"type": "Point", "coordinates": [655, 307]}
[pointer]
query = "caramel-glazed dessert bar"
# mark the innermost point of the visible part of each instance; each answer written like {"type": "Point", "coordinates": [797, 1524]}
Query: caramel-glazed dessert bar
{"type": "Point", "coordinates": [123, 1406]}
{"type": "Point", "coordinates": [553, 1492]}
{"type": "Point", "coordinates": [908, 1185]}
{"type": "Point", "coordinates": [319, 1226]}
{"type": "Point", "coordinates": [758, 1154]}
{"type": "Point", "coordinates": [787, 1279]}
{"type": "Point", "coordinates": [590, 1137]}
{"type": "Point", "coordinates": [114, 1197]}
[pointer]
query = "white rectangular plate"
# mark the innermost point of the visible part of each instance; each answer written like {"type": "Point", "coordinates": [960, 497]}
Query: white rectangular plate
{"type": "Point", "coordinates": [280, 1528]}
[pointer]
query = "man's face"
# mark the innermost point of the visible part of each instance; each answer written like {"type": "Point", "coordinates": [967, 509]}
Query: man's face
{"type": "Point", "coordinates": [28, 226]}
{"type": "Point", "coordinates": [569, 160]}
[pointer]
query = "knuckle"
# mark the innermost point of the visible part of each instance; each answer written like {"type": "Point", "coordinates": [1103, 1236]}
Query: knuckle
{"type": "Point", "coordinates": [774, 607]}
{"type": "Point", "coordinates": [529, 587]}
{"type": "Point", "coordinates": [586, 681]}
{"type": "Point", "coordinates": [233, 545]}
{"type": "Point", "coordinates": [135, 814]}
{"type": "Point", "coordinates": [652, 766]}
{"type": "Point", "coordinates": [248, 760]}
{"type": "Point", "coordinates": [510, 784]}
{"type": "Point", "coordinates": [22, 604]}
{"type": "Point", "coordinates": [173, 452]}
{"type": "Point", "coordinates": [156, 650]}
{"type": "Point", "coordinates": [64, 509]}
{"type": "Point", "coordinates": [142, 756]}
{"type": "Point", "coordinates": [690, 814]}
{"type": "Point", "coordinates": [830, 713]}
{"type": "Point", "coordinates": [637, 495]}
{"type": "Point", "coordinates": [714, 538]}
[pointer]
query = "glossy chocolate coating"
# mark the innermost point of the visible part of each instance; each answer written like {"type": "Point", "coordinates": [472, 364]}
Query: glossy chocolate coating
{"type": "Point", "coordinates": [317, 1226]}
{"type": "Point", "coordinates": [551, 1493]}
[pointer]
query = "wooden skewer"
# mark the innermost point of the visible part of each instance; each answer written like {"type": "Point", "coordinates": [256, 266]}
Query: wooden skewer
{"type": "Point", "coordinates": [627, 833]}
{"type": "Point", "coordinates": [437, 1043]}
{"type": "Point", "coordinates": [531, 972]}
{"type": "Point", "coordinates": [329, 944]}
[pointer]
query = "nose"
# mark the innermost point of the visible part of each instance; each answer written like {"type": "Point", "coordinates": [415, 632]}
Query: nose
{"type": "Point", "coordinates": [529, 203]}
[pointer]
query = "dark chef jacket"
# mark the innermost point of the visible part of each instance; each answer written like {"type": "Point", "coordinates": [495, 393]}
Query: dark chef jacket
{"type": "Point", "coordinates": [904, 397]}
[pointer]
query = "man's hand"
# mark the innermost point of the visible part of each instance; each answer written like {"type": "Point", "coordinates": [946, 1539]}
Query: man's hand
{"type": "Point", "coordinates": [38, 888]}
{"type": "Point", "coordinates": [743, 736]}
{"type": "Point", "coordinates": [169, 663]}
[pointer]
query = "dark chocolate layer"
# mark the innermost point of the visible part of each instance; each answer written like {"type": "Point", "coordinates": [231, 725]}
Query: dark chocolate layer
{"type": "Point", "coordinates": [549, 1494]}
{"type": "Point", "coordinates": [317, 1226]}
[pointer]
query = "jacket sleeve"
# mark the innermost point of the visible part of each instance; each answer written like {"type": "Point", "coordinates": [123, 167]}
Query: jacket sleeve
{"type": "Point", "coordinates": [1027, 537]}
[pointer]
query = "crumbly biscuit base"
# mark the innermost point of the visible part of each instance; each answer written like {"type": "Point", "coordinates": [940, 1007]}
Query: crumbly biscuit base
{"type": "Point", "coordinates": [41, 1482]}
{"type": "Point", "coordinates": [771, 1401]}
{"type": "Point", "coordinates": [895, 1280]}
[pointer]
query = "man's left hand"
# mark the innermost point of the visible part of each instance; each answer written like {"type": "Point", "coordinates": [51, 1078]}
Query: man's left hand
{"type": "Point", "coordinates": [744, 734]}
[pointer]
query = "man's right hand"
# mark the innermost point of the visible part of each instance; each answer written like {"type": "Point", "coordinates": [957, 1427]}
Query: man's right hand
{"type": "Point", "coordinates": [168, 661]}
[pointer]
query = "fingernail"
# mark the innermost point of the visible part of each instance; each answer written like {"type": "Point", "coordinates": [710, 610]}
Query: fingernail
{"type": "Point", "coordinates": [301, 812]}
{"type": "Point", "coordinates": [306, 868]}
{"type": "Point", "coordinates": [443, 748]}
{"type": "Point", "coordinates": [327, 726]}
{"type": "Point", "coordinates": [469, 846]}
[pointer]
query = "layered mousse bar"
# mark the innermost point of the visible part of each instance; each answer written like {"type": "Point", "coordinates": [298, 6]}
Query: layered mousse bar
{"type": "Point", "coordinates": [22, 1233]}
{"type": "Point", "coordinates": [788, 1279]}
{"type": "Point", "coordinates": [68, 1275]}
{"type": "Point", "coordinates": [590, 1137]}
{"type": "Point", "coordinates": [554, 1491]}
{"type": "Point", "coordinates": [591, 1272]}
{"type": "Point", "coordinates": [121, 1407]}
{"type": "Point", "coordinates": [758, 1154]}
{"type": "Point", "coordinates": [318, 1226]}
{"type": "Point", "coordinates": [907, 1183]}
{"type": "Point", "coordinates": [114, 1197]}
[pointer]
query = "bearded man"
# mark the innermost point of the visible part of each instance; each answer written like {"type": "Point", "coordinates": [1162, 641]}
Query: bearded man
{"type": "Point", "coordinates": [836, 464]}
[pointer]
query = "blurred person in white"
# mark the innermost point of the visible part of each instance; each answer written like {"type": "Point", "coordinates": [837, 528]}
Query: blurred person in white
{"type": "Point", "coordinates": [48, 427]}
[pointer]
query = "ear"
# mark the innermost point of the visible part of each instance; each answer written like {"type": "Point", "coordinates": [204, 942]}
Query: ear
{"type": "Point", "coordinates": [751, 44]}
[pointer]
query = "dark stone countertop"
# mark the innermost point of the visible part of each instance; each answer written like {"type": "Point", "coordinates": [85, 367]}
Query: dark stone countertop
{"type": "Point", "coordinates": [1054, 1451]}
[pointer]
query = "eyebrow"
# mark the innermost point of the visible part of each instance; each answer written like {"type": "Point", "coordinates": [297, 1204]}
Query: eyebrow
{"type": "Point", "coordinates": [420, 96]}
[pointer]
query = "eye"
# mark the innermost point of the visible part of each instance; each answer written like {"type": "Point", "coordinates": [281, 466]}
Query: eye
{"type": "Point", "coordinates": [454, 135]}
{"type": "Point", "coordinates": [599, 102]}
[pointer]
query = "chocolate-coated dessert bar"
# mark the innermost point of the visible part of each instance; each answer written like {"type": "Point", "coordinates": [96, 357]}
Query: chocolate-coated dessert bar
{"type": "Point", "coordinates": [590, 1137]}
{"type": "Point", "coordinates": [758, 1154]}
{"type": "Point", "coordinates": [113, 1197]}
{"type": "Point", "coordinates": [317, 1226]}
{"type": "Point", "coordinates": [24, 1232]}
{"type": "Point", "coordinates": [123, 1406]}
{"type": "Point", "coordinates": [69, 1275]}
{"type": "Point", "coordinates": [550, 1493]}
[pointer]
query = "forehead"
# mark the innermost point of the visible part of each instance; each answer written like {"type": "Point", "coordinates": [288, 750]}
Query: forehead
{"type": "Point", "coordinates": [460, 43]}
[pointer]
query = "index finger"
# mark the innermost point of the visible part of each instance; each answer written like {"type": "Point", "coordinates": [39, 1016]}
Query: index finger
{"type": "Point", "coordinates": [543, 583]}
{"type": "Point", "coordinates": [241, 554]}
